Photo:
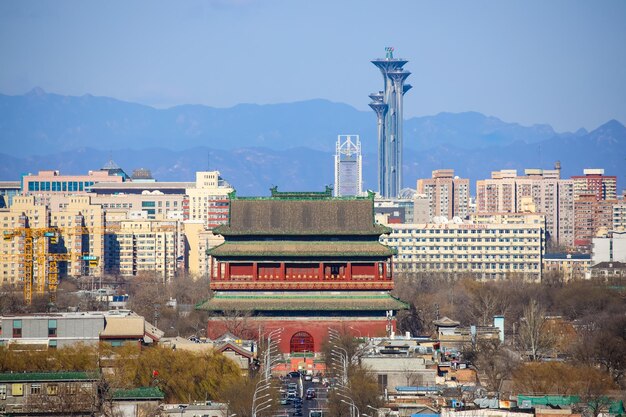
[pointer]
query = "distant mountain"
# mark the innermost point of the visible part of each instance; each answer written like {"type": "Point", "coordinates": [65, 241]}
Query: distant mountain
{"type": "Point", "coordinates": [289, 145]}
{"type": "Point", "coordinates": [38, 122]}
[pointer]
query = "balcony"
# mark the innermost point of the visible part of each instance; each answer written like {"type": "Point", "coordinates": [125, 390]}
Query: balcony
{"type": "Point", "coordinates": [301, 285]}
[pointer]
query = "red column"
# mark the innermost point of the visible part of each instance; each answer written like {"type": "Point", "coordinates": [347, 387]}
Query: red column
{"type": "Point", "coordinates": [227, 271]}
{"type": "Point", "coordinates": [255, 272]}
{"type": "Point", "coordinates": [218, 274]}
{"type": "Point", "coordinates": [349, 271]}
{"type": "Point", "coordinates": [282, 271]}
{"type": "Point", "coordinates": [321, 271]}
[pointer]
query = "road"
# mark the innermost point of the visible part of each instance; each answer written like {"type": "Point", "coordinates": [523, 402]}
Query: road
{"type": "Point", "coordinates": [319, 402]}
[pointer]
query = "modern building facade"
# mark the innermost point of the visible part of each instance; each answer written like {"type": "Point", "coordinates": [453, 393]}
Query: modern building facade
{"type": "Point", "coordinates": [540, 191]}
{"type": "Point", "coordinates": [484, 251]}
{"type": "Point", "coordinates": [619, 215]}
{"type": "Point", "coordinates": [208, 199]}
{"type": "Point", "coordinates": [348, 166]}
{"type": "Point", "coordinates": [57, 330]}
{"type": "Point", "coordinates": [448, 196]}
{"type": "Point", "coordinates": [388, 105]}
{"type": "Point", "coordinates": [610, 247]}
{"type": "Point", "coordinates": [590, 216]}
{"type": "Point", "coordinates": [594, 182]}
{"type": "Point", "coordinates": [571, 266]}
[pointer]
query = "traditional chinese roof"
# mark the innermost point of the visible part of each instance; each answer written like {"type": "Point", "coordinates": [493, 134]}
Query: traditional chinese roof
{"type": "Point", "coordinates": [303, 301]}
{"type": "Point", "coordinates": [306, 216]}
{"type": "Point", "coordinates": [446, 322]}
{"type": "Point", "coordinates": [48, 376]}
{"type": "Point", "coordinates": [300, 249]}
{"type": "Point", "coordinates": [141, 393]}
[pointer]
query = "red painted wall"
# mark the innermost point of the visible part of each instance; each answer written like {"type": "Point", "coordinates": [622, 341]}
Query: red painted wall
{"type": "Point", "coordinates": [316, 327]}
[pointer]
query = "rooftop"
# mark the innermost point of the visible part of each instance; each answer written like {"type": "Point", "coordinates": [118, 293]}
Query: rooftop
{"type": "Point", "coordinates": [142, 393]}
{"type": "Point", "coordinates": [300, 249]}
{"type": "Point", "coordinates": [302, 216]}
{"type": "Point", "coordinates": [302, 301]}
{"type": "Point", "coordinates": [48, 376]}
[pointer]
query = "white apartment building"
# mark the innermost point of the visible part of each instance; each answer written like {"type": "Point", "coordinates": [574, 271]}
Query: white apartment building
{"type": "Point", "coordinates": [486, 251]}
{"type": "Point", "coordinates": [208, 200]}
{"type": "Point", "coordinates": [144, 246]}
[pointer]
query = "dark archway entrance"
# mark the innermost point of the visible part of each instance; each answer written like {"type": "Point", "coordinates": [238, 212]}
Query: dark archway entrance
{"type": "Point", "coordinates": [301, 342]}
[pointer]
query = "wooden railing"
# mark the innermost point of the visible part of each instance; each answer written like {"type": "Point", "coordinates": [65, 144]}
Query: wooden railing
{"type": "Point", "coordinates": [302, 285]}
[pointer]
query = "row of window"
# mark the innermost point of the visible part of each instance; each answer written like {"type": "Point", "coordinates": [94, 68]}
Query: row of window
{"type": "Point", "coordinates": [59, 185]}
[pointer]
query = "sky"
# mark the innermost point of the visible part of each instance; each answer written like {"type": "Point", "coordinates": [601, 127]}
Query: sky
{"type": "Point", "coordinates": [560, 62]}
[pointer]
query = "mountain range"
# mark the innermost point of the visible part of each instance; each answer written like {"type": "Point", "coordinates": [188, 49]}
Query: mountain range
{"type": "Point", "coordinates": [290, 145]}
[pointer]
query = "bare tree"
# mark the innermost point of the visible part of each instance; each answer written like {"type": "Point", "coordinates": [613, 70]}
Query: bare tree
{"type": "Point", "coordinates": [494, 362]}
{"type": "Point", "coordinates": [534, 338]}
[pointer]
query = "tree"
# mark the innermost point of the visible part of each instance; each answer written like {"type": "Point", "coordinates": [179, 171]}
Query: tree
{"type": "Point", "coordinates": [238, 394]}
{"type": "Point", "coordinates": [541, 378]}
{"type": "Point", "coordinates": [362, 388]}
{"type": "Point", "coordinates": [182, 375]}
{"type": "Point", "coordinates": [533, 337]}
{"type": "Point", "coordinates": [495, 362]}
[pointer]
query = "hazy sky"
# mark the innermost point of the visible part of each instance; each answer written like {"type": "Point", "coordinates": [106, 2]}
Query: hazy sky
{"type": "Point", "coordinates": [532, 61]}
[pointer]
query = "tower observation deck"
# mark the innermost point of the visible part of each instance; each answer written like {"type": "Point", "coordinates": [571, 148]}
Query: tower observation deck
{"type": "Point", "coordinates": [388, 105]}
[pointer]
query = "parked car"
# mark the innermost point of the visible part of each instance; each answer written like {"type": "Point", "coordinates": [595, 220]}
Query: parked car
{"type": "Point", "coordinates": [294, 374]}
{"type": "Point", "coordinates": [316, 380]}
{"type": "Point", "coordinates": [308, 377]}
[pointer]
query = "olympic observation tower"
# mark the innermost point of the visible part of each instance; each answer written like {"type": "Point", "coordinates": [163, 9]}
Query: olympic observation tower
{"type": "Point", "coordinates": [388, 107]}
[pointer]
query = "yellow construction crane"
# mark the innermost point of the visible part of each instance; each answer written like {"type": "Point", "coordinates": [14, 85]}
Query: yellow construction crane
{"type": "Point", "coordinates": [34, 252]}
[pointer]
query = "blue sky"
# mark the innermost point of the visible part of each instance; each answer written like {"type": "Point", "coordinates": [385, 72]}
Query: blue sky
{"type": "Point", "coordinates": [561, 62]}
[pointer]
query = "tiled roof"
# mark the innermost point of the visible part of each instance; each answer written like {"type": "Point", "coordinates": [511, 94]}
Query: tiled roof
{"type": "Point", "coordinates": [300, 248]}
{"type": "Point", "coordinates": [48, 376]}
{"type": "Point", "coordinates": [314, 301]}
{"type": "Point", "coordinates": [613, 265]}
{"type": "Point", "coordinates": [142, 393]}
{"type": "Point", "coordinates": [301, 217]}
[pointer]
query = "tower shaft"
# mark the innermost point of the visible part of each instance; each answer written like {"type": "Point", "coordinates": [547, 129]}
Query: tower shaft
{"type": "Point", "coordinates": [388, 105]}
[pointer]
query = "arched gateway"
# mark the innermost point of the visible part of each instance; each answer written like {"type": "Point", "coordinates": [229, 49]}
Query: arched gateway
{"type": "Point", "coordinates": [301, 342]}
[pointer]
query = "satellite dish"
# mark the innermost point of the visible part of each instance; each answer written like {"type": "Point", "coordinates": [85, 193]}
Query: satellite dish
{"type": "Point", "coordinates": [457, 220]}
{"type": "Point", "coordinates": [437, 220]}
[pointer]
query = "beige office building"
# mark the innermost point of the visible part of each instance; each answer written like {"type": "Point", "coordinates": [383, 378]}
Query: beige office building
{"type": "Point", "coordinates": [485, 251]}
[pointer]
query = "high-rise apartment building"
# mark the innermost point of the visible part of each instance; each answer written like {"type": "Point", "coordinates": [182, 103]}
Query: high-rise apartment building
{"type": "Point", "coordinates": [591, 215]}
{"type": "Point", "coordinates": [619, 215]}
{"type": "Point", "coordinates": [348, 166]}
{"type": "Point", "coordinates": [594, 182]}
{"type": "Point", "coordinates": [208, 200]}
{"type": "Point", "coordinates": [537, 190]}
{"type": "Point", "coordinates": [144, 246]}
{"type": "Point", "coordinates": [448, 196]}
{"type": "Point", "coordinates": [388, 105]}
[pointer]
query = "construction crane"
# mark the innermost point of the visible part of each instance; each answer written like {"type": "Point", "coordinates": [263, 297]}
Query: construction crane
{"type": "Point", "coordinates": [35, 259]}
{"type": "Point", "coordinates": [39, 266]}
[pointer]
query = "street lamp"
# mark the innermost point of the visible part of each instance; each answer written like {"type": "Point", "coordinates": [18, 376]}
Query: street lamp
{"type": "Point", "coordinates": [375, 409]}
{"type": "Point", "coordinates": [352, 404]}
